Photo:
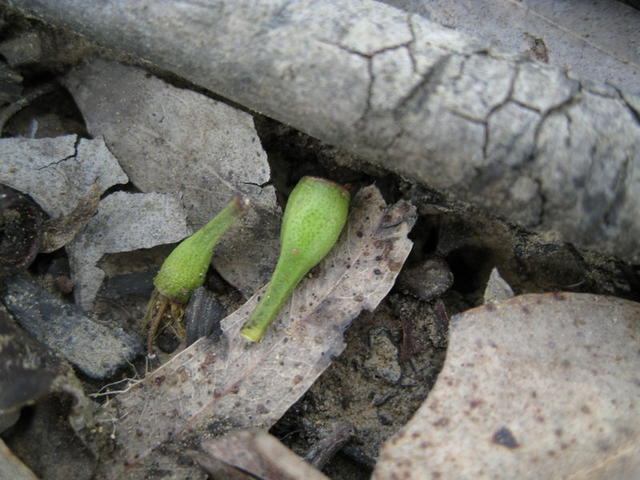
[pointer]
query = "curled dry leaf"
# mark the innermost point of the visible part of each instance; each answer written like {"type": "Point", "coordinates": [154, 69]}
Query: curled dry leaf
{"type": "Point", "coordinates": [538, 386]}
{"type": "Point", "coordinates": [251, 454]}
{"type": "Point", "coordinates": [213, 387]}
{"type": "Point", "coordinates": [57, 232]}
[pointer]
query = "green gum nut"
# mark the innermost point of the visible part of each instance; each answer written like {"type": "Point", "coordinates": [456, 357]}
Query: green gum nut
{"type": "Point", "coordinates": [313, 219]}
{"type": "Point", "coordinates": [185, 268]}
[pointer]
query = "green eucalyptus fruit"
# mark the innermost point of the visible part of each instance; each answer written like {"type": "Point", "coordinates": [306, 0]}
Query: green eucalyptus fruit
{"type": "Point", "coordinates": [185, 268]}
{"type": "Point", "coordinates": [313, 219]}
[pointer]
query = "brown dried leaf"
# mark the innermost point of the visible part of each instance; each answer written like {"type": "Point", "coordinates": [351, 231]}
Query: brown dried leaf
{"type": "Point", "coordinates": [251, 454]}
{"type": "Point", "coordinates": [214, 387]}
{"type": "Point", "coordinates": [538, 386]}
{"type": "Point", "coordinates": [59, 231]}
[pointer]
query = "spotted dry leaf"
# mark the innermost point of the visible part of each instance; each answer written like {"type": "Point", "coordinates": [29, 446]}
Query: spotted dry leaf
{"type": "Point", "coordinates": [213, 387]}
{"type": "Point", "coordinates": [537, 386]}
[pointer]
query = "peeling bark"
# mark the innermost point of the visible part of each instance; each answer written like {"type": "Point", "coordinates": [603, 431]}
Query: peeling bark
{"type": "Point", "coordinates": [522, 139]}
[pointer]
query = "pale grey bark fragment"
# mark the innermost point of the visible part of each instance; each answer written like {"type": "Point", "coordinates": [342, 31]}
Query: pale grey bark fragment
{"type": "Point", "coordinates": [533, 76]}
{"type": "Point", "coordinates": [590, 152]}
{"type": "Point", "coordinates": [124, 222]}
{"type": "Point", "coordinates": [173, 140]}
{"type": "Point", "coordinates": [58, 171]}
{"type": "Point", "coordinates": [393, 75]}
{"type": "Point", "coordinates": [95, 349]}
{"type": "Point", "coordinates": [314, 65]}
{"type": "Point", "coordinates": [596, 39]}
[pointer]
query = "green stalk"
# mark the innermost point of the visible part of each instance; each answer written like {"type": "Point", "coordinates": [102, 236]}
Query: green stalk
{"type": "Point", "coordinates": [185, 268]}
{"type": "Point", "coordinates": [313, 219]}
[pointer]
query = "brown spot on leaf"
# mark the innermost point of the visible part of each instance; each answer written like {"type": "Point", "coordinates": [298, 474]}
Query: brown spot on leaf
{"type": "Point", "coordinates": [475, 403]}
{"type": "Point", "coordinates": [584, 409]}
{"type": "Point", "coordinates": [260, 408]}
{"type": "Point", "coordinates": [395, 266]}
{"type": "Point", "coordinates": [297, 379]}
{"type": "Point", "coordinates": [159, 380]}
{"type": "Point", "coordinates": [441, 422]}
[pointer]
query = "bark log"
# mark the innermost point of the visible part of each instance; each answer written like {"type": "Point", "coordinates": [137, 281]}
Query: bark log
{"type": "Point", "coordinates": [520, 138]}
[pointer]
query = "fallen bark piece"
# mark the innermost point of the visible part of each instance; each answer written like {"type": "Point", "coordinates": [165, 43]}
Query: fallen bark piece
{"type": "Point", "coordinates": [174, 140]}
{"type": "Point", "coordinates": [57, 172]}
{"type": "Point", "coordinates": [579, 36]}
{"type": "Point", "coordinates": [124, 222]}
{"type": "Point", "coordinates": [497, 288]}
{"type": "Point", "coordinates": [202, 316]}
{"type": "Point", "coordinates": [94, 348]}
{"type": "Point", "coordinates": [213, 387]}
{"type": "Point", "coordinates": [29, 372]}
{"type": "Point", "coordinates": [538, 386]}
{"type": "Point", "coordinates": [251, 454]}
{"type": "Point", "coordinates": [520, 138]}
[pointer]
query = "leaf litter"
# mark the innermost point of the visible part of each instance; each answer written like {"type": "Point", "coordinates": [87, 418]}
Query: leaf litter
{"type": "Point", "coordinates": [537, 386]}
{"type": "Point", "coordinates": [177, 141]}
{"type": "Point", "coordinates": [250, 454]}
{"type": "Point", "coordinates": [214, 387]}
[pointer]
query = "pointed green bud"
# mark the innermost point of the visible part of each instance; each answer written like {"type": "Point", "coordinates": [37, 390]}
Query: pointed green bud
{"type": "Point", "coordinates": [313, 219]}
{"type": "Point", "coordinates": [185, 268]}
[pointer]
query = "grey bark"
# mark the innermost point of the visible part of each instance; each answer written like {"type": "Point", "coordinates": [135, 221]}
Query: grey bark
{"type": "Point", "coordinates": [520, 138]}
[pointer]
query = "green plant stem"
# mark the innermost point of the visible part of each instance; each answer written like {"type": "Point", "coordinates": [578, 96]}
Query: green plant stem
{"type": "Point", "coordinates": [281, 286]}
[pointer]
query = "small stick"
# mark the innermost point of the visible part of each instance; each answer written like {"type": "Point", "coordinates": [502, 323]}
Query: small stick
{"type": "Point", "coordinates": [155, 323]}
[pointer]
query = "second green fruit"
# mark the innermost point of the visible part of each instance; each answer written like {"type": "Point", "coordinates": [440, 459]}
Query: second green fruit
{"type": "Point", "coordinates": [313, 219]}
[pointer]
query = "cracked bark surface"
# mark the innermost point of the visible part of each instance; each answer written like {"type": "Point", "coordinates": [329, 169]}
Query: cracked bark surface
{"type": "Point", "coordinates": [522, 139]}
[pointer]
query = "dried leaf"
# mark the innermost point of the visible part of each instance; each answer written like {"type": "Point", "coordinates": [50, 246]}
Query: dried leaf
{"type": "Point", "coordinates": [538, 386]}
{"type": "Point", "coordinates": [57, 232]}
{"type": "Point", "coordinates": [57, 172]}
{"type": "Point", "coordinates": [254, 454]}
{"type": "Point", "coordinates": [124, 222]}
{"type": "Point", "coordinates": [214, 387]}
{"type": "Point", "coordinates": [174, 140]}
